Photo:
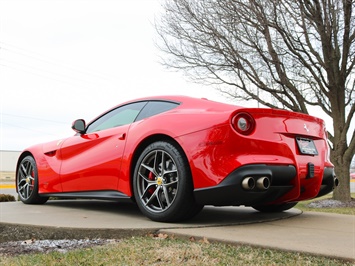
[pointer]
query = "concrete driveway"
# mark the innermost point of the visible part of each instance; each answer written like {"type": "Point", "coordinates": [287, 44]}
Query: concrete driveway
{"type": "Point", "coordinates": [322, 234]}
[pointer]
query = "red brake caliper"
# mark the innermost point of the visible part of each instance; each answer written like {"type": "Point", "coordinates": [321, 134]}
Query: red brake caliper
{"type": "Point", "coordinates": [151, 177]}
{"type": "Point", "coordinates": [33, 175]}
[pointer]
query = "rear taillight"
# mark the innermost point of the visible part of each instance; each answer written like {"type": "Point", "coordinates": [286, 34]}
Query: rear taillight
{"type": "Point", "coordinates": [243, 123]}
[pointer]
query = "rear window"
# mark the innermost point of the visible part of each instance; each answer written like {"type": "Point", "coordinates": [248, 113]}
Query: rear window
{"type": "Point", "coordinates": [156, 107]}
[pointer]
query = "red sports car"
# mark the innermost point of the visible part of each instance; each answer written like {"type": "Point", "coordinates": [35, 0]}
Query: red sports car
{"type": "Point", "coordinates": [173, 154]}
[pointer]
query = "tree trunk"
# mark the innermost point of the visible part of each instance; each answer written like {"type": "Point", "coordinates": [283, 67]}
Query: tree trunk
{"type": "Point", "coordinates": [341, 154]}
{"type": "Point", "coordinates": [342, 171]}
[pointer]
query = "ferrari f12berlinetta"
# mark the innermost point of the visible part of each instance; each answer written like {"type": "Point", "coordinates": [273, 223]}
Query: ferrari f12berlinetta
{"type": "Point", "coordinates": [174, 154]}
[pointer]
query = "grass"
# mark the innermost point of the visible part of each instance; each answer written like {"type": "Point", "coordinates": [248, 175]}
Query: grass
{"type": "Point", "coordinates": [155, 250]}
{"type": "Point", "coordinates": [6, 198]}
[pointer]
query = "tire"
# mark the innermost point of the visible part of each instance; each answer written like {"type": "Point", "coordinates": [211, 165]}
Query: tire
{"type": "Point", "coordinates": [162, 184]}
{"type": "Point", "coordinates": [27, 182]}
{"type": "Point", "coordinates": [275, 208]}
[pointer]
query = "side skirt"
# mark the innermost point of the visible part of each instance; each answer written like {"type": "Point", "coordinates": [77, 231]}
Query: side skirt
{"type": "Point", "coordinates": [101, 195]}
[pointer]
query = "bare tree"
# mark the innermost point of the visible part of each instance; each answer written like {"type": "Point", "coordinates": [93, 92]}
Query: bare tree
{"type": "Point", "coordinates": [290, 54]}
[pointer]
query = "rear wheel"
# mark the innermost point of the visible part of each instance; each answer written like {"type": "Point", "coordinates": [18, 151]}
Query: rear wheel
{"type": "Point", "coordinates": [162, 184]}
{"type": "Point", "coordinates": [27, 182]}
{"type": "Point", "coordinates": [275, 207]}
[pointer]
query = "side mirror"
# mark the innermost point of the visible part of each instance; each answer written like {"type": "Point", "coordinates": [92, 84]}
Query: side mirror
{"type": "Point", "coordinates": [79, 126]}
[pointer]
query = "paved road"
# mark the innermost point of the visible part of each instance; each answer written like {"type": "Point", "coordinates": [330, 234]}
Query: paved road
{"type": "Point", "coordinates": [316, 233]}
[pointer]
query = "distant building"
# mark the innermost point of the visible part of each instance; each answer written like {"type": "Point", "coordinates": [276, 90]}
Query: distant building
{"type": "Point", "coordinates": [8, 160]}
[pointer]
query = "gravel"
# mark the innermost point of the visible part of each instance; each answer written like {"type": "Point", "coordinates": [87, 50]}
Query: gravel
{"type": "Point", "coordinates": [46, 246]}
{"type": "Point", "coordinates": [330, 203]}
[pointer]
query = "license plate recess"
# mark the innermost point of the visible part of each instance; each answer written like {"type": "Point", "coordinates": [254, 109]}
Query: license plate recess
{"type": "Point", "coordinates": [306, 146]}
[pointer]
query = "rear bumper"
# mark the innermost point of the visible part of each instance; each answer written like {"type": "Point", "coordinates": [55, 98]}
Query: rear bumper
{"type": "Point", "coordinates": [231, 192]}
{"type": "Point", "coordinates": [282, 180]}
{"type": "Point", "coordinates": [329, 182]}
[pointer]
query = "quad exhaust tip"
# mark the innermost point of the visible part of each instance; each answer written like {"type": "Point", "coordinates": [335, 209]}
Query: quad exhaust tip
{"type": "Point", "coordinates": [261, 183]}
{"type": "Point", "coordinates": [248, 183]}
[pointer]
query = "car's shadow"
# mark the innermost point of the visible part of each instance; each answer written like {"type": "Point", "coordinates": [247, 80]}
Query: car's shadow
{"type": "Point", "coordinates": [209, 216]}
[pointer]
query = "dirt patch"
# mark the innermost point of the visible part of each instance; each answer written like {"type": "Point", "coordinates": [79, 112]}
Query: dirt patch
{"type": "Point", "coordinates": [18, 239]}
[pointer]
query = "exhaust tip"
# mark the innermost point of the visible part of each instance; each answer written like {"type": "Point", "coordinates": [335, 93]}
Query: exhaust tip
{"type": "Point", "coordinates": [263, 183]}
{"type": "Point", "coordinates": [248, 183]}
{"type": "Point", "coordinates": [336, 182]}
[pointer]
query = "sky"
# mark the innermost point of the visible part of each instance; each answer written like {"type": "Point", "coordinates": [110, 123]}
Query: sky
{"type": "Point", "coordinates": [70, 59]}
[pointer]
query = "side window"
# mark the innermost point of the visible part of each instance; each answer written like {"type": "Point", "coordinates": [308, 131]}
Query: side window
{"type": "Point", "coordinates": [156, 107]}
{"type": "Point", "coordinates": [118, 117]}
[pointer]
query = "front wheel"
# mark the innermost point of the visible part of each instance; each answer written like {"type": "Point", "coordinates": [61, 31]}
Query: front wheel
{"type": "Point", "coordinates": [27, 182]}
{"type": "Point", "coordinates": [162, 184]}
{"type": "Point", "coordinates": [275, 207]}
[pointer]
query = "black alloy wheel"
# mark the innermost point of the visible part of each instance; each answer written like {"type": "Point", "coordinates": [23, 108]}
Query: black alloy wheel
{"type": "Point", "coordinates": [27, 182]}
{"type": "Point", "coordinates": [162, 183]}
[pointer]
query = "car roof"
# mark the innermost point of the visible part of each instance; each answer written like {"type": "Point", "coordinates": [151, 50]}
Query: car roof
{"type": "Point", "coordinates": [188, 101]}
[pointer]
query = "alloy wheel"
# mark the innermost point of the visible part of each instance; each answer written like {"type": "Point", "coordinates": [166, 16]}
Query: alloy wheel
{"type": "Point", "coordinates": [26, 179]}
{"type": "Point", "coordinates": [157, 181]}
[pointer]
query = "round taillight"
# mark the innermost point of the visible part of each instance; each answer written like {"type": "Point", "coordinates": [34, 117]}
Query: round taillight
{"type": "Point", "coordinates": [243, 123]}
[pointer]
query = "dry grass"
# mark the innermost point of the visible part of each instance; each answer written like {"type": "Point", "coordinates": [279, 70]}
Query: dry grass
{"type": "Point", "coordinates": [6, 198]}
{"type": "Point", "coordinates": [163, 250]}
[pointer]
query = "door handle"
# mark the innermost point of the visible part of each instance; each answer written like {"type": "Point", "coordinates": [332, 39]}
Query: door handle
{"type": "Point", "coordinates": [122, 136]}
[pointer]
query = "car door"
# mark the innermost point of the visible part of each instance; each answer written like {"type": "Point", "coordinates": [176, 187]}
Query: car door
{"type": "Point", "coordinates": [91, 161]}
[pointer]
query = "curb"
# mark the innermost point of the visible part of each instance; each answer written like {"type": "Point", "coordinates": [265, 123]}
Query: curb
{"type": "Point", "coordinates": [20, 232]}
